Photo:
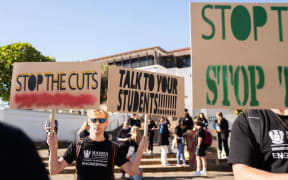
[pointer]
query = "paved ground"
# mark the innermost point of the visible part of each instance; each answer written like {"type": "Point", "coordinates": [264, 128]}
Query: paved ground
{"type": "Point", "coordinates": [167, 176]}
{"type": "Point", "coordinates": [214, 175]}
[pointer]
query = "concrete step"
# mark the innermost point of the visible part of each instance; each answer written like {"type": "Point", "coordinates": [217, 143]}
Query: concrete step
{"type": "Point", "coordinates": [158, 168]}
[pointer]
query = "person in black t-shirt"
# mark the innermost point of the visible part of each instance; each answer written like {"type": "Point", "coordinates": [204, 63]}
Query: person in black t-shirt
{"type": "Point", "coordinates": [124, 133]}
{"type": "Point", "coordinates": [201, 148]}
{"type": "Point", "coordinates": [164, 140]}
{"type": "Point", "coordinates": [179, 143]}
{"type": "Point", "coordinates": [188, 120]}
{"type": "Point", "coordinates": [151, 131]}
{"type": "Point", "coordinates": [222, 128]}
{"type": "Point", "coordinates": [123, 138]}
{"type": "Point", "coordinates": [203, 120]}
{"type": "Point", "coordinates": [19, 158]}
{"type": "Point", "coordinates": [95, 156]}
{"type": "Point", "coordinates": [134, 121]}
{"type": "Point", "coordinates": [258, 145]}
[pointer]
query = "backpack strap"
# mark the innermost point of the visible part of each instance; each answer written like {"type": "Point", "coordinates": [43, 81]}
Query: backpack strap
{"type": "Point", "coordinates": [254, 118]}
{"type": "Point", "coordinates": [78, 147]}
{"type": "Point", "coordinates": [114, 148]}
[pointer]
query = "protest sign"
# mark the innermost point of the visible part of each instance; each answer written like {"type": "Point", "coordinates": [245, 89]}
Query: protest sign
{"type": "Point", "coordinates": [55, 85]}
{"type": "Point", "coordinates": [136, 91]}
{"type": "Point", "coordinates": [239, 55]}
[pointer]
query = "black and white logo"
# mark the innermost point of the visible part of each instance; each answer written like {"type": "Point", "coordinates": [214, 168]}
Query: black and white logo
{"type": "Point", "coordinates": [276, 136]}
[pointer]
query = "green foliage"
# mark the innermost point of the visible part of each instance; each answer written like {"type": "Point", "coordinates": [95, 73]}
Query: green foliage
{"type": "Point", "coordinates": [104, 82]}
{"type": "Point", "coordinates": [16, 52]}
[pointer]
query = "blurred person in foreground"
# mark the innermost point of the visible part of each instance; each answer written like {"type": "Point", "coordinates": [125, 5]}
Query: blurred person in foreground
{"type": "Point", "coordinates": [20, 159]}
{"type": "Point", "coordinates": [259, 145]}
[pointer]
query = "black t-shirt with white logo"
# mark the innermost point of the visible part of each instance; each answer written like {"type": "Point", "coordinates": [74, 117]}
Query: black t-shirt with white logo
{"type": "Point", "coordinates": [272, 152]}
{"type": "Point", "coordinates": [95, 159]}
{"type": "Point", "coordinates": [179, 132]}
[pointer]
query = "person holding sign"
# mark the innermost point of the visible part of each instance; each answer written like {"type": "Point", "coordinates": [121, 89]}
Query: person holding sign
{"type": "Point", "coordinates": [95, 156]}
{"type": "Point", "coordinates": [259, 145]}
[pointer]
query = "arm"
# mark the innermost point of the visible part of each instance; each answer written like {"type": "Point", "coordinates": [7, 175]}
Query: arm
{"type": "Point", "coordinates": [245, 172]}
{"type": "Point", "coordinates": [55, 165]}
{"type": "Point", "coordinates": [199, 141]}
{"type": "Point", "coordinates": [176, 142]}
{"type": "Point", "coordinates": [131, 167]}
{"type": "Point", "coordinates": [123, 139]}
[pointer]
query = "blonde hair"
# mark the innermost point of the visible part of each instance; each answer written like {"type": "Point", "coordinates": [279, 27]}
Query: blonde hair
{"type": "Point", "coordinates": [84, 126]}
{"type": "Point", "coordinates": [93, 112]}
{"type": "Point", "coordinates": [135, 134]}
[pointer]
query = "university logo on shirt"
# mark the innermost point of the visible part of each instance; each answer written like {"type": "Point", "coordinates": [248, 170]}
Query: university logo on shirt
{"type": "Point", "coordinates": [87, 154]}
{"type": "Point", "coordinates": [276, 136]}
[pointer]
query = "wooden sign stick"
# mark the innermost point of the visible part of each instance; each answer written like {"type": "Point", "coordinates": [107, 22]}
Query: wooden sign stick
{"type": "Point", "coordinates": [52, 120]}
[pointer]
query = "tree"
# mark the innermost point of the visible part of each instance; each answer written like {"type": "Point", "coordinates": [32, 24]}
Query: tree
{"type": "Point", "coordinates": [16, 52]}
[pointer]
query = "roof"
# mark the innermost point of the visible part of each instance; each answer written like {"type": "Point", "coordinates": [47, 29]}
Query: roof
{"type": "Point", "coordinates": [139, 50]}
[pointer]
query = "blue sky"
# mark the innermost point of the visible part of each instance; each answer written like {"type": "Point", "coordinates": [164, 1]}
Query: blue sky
{"type": "Point", "coordinates": [80, 30]}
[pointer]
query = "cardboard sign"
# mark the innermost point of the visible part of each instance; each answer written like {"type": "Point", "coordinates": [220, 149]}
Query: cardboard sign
{"type": "Point", "coordinates": [239, 55]}
{"type": "Point", "coordinates": [135, 91]}
{"type": "Point", "coordinates": [55, 85]}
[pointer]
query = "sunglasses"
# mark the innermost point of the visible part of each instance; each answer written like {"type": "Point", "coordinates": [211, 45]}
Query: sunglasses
{"type": "Point", "coordinates": [101, 120]}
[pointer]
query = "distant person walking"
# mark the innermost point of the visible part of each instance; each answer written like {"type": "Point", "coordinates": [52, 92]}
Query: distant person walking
{"type": "Point", "coordinates": [134, 121]}
{"type": "Point", "coordinates": [179, 143]}
{"type": "Point", "coordinates": [164, 140]}
{"type": "Point", "coordinates": [123, 139]}
{"type": "Point", "coordinates": [222, 128]}
{"type": "Point", "coordinates": [152, 127]}
{"type": "Point", "coordinates": [189, 136]}
{"type": "Point", "coordinates": [200, 150]}
{"type": "Point", "coordinates": [203, 120]}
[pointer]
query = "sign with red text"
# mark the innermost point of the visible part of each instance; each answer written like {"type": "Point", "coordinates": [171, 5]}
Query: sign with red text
{"type": "Point", "coordinates": [137, 91]}
{"type": "Point", "coordinates": [239, 55]}
{"type": "Point", "coordinates": [73, 85]}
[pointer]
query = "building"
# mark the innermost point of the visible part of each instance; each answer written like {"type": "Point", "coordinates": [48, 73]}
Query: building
{"type": "Point", "coordinates": [179, 58]}
{"type": "Point", "coordinates": [176, 62]}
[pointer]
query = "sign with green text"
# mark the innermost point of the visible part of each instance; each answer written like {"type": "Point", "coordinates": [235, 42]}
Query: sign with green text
{"type": "Point", "coordinates": [239, 55]}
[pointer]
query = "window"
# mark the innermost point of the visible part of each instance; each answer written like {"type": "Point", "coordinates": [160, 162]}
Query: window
{"type": "Point", "coordinates": [183, 61]}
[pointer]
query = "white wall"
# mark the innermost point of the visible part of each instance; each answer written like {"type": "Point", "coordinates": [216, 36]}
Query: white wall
{"type": "Point", "coordinates": [32, 123]}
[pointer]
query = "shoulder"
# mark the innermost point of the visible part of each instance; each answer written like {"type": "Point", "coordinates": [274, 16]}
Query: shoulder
{"type": "Point", "coordinates": [13, 133]}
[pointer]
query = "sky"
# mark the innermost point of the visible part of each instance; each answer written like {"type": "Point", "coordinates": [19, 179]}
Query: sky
{"type": "Point", "coordinates": [81, 30]}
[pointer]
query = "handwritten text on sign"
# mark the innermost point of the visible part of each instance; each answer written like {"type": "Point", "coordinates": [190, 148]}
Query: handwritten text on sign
{"type": "Point", "coordinates": [144, 92]}
{"type": "Point", "coordinates": [58, 85]}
